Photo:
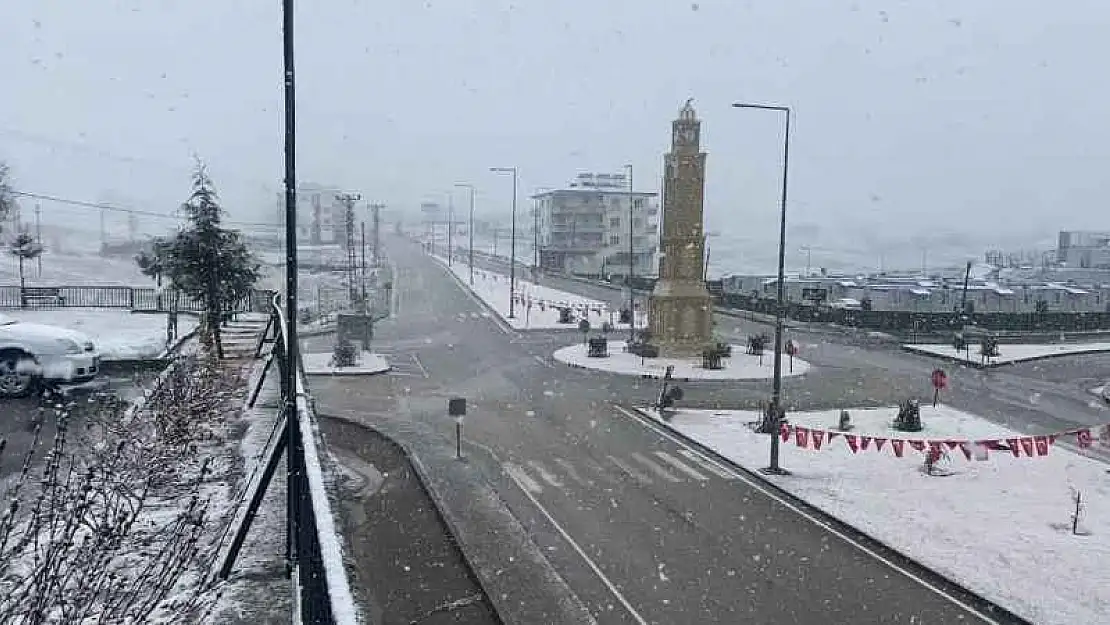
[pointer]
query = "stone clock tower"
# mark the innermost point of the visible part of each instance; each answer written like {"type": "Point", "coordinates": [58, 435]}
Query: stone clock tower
{"type": "Point", "coordinates": [680, 307]}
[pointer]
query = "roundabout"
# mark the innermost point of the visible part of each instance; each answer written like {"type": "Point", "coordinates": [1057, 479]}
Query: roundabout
{"type": "Point", "coordinates": [740, 366]}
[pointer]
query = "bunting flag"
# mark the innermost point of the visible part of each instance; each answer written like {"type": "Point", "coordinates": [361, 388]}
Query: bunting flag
{"type": "Point", "coordinates": [982, 452]}
{"type": "Point", "coordinates": [1014, 447]}
{"type": "Point", "coordinates": [879, 443]}
{"type": "Point", "coordinates": [864, 442]}
{"type": "Point", "coordinates": [952, 444]}
{"type": "Point", "coordinates": [784, 432]}
{"type": "Point", "coordinates": [896, 444]}
{"type": "Point", "coordinates": [801, 436]}
{"type": "Point", "coordinates": [853, 442]}
{"type": "Point", "coordinates": [818, 437]}
{"type": "Point", "coordinates": [1041, 443]}
{"type": "Point", "coordinates": [918, 445]}
{"type": "Point", "coordinates": [1083, 438]}
{"type": "Point", "coordinates": [1027, 446]}
{"type": "Point", "coordinates": [966, 448]}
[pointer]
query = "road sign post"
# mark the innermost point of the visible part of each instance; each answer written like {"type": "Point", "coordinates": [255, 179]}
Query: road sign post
{"type": "Point", "coordinates": [791, 350]}
{"type": "Point", "coordinates": [940, 380]}
{"type": "Point", "coordinates": [456, 408]}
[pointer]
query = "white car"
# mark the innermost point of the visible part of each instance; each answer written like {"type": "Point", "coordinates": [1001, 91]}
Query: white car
{"type": "Point", "coordinates": [32, 354]}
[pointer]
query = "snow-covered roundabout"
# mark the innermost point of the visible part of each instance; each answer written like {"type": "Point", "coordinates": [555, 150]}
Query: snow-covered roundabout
{"type": "Point", "coordinates": [322, 364]}
{"type": "Point", "coordinates": [740, 366]}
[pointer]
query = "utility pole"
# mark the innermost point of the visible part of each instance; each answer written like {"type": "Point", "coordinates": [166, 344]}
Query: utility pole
{"type": "Point", "coordinates": [377, 217]}
{"type": "Point", "coordinates": [348, 200]}
{"type": "Point", "coordinates": [362, 225]}
{"type": "Point", "coordinates": [631, 262]}
{"type": "Point", "coordinates": [38, 233]}
{"type": "Point", "coordinates": [450, 227]}
{"type": "Point", "coordinates": [103, 229]}
{"type": "Point", "coordinates": [469, 229]}
{"type": "Point", "coordinates": [512, 241]}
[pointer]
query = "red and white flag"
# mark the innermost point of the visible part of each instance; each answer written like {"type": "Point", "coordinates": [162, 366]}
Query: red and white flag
{"type": "Point", "coordinates": [784, 431]}
{"type": "Point", "coordinates": [853, 442]}
{"type": "Point", "coordinates": [1083, 438]}
{"type": "Point", "coordinates": [801, 436]}
{"type": "Point", "coordinates": [966, 448]}
{"type": "Point", "coordinates": [896, 444]}
{"type": "Point", "coordinates": [1027, 446]}
{"type": "Point", "coordinates": [1015, 447]}
{"type": "Point", "coordinates": [1041, 443]}
{"type": "Point", "coordinates": [879, 443]}
{"type": "Point", "coordinates": [918, 445]}
{"type": "Point", "coordinates": [864, 442]}
{"type": "Point", "coordinates": [818, 438]}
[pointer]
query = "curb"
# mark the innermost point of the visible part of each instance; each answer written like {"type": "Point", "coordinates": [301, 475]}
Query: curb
{"type": "Point", "coordinates": [971, 597]}
{"type": "Point", "coordinates": [980, 365]}
{"type": "Point", "coordinates": [563, 605]}
{"type": "Point", "coordinates": [348, 374]}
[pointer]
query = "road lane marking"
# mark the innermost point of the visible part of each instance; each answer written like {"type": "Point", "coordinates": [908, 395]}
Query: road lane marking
{"type": "Point", "coordinates": [569, 469]}
{"type": "Point", "coordinates": [634, 473]}
{"type": "Point", "coordinates": [680, 465]}
{"type": "Point", "coordinates": [581, 553]}
{"type": "Point", "coordinates": [655, 468]}
{"type": "Point", "coordinates": [708, 465]}
{"type": "Point", "coordinates": [522, 479]}
{"type": "Point", "coordinates": [544, 474]}
{"type": "Point", "coordinates": [421, 365]}
{"type": "Point", "coordinates": [542, 361]}
{"type": "Point", "coordinates": [661, 430]}
{"type": "Point", "coordinates": [496, 318]}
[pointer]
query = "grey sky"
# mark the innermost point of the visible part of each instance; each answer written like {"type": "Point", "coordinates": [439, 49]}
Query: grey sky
{"type": "Point", "coordinates": [986, 114]}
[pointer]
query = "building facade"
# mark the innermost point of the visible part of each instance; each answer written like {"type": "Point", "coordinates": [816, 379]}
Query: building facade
{"type": "Point", "coordinates": [1083, 249]}
{"type": "Point", "coordinates": [584, 228]}
{"type": "Point", "coordinates": [320, 214]}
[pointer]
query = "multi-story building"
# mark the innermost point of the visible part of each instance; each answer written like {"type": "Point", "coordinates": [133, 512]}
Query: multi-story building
{"type": "Point", "coordinates": [1086, 250]}
{"type": "Point", "coordinates": [320, 214]}
{"type": "Point", "coordinates": [584, 228]}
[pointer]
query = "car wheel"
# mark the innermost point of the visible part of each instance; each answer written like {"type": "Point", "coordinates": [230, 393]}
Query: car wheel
{"type": "Point", "coordinates": [15, 382]}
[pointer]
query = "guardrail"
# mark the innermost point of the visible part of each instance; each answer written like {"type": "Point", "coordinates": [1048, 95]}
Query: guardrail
{"type": "Point", "coordinates": [143, 299]}
{"type": "Point", "coordinates": [314, 556]}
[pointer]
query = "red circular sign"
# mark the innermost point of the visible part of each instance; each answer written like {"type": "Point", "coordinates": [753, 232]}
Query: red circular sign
{"type": "Point", "coordinates": [940, 379]}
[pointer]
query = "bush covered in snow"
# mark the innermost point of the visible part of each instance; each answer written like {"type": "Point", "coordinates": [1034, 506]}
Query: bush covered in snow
{"type": "Point", "coordinates": [117, 522]}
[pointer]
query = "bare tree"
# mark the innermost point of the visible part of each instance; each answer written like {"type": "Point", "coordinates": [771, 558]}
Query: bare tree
{"type": "Point", "coordinates": [25, 247]}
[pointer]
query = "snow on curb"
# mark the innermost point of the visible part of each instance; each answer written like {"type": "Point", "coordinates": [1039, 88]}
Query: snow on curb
{"type": "Point", "coordinates": [740, 366]}
{"type": "Point", "coordinates": [1009, 353]}
{"type": "Point", "coordinates": [369, 363]}
{"type": "Point", "coordinates": [952, 524]}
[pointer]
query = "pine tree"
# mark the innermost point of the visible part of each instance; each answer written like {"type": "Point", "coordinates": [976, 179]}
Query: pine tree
{"type": "Point", "coordinates": [207, 261]}
{"type": "Point", "coordinates": [7, 196]}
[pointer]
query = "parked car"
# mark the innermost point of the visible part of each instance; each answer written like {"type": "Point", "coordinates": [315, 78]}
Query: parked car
{"type": "Point", "coordinates": [34, 354]}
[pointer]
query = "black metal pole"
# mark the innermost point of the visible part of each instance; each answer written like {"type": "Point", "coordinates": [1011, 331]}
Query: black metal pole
{"type": "Point", "coordinates": [512, 256]}
{"type": "Point", "coordinates": [294, 448]}
{"type": "Point", "coordinates": [470, 234]}
{"type": "Point", "coordinates": [362, 225]}
{"type": "Point", "coordinates": [450, 228]}
{"type": "Point", "coordinates": [631, 265]}
{"type": "Point", "coordinates": [780, 309]}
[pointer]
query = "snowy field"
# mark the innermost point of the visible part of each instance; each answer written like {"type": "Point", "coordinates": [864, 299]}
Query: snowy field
{"type": "Point", "coordinates": [1002, 527]}
{"type": "Point", "coordinates": [740, 366]}
{"type": "Point", "coordinates": [118, 334]}
{"type": "Point", "coordinates": [74, 270]}
{"type": "Point", "coordinates": [1010, 353]}
{"type": "Point", "coordinates": [537, 305]}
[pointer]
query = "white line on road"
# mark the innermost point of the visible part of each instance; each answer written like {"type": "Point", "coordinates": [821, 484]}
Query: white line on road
{"type": "Point", "coordinates": [421, 365]}
{"type": "Point", "coordinates": [544, 474]}
{"type": "Point", "coordinates": [753, 483]}
{"type": "Point", "coordinates": [542, 361]}
{"type": "Point", "coordinates": [680, 465]}
{"type": "Point", "coordinates": [582, 553]}
{"type": "Point", "coordinates": [708, 465]}
{"type": "Point", "coordinates": [655, 468]}
{"type": "Point", "coordinates": [569, 469]}
{"type": "Point", "coordinates": [634, 473]}
{"type": "Point", "coordinates": [522, 479]}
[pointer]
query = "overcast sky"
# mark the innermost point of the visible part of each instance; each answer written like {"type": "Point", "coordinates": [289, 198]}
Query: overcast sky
{"type": "Point", "coordinates": [915, 122]}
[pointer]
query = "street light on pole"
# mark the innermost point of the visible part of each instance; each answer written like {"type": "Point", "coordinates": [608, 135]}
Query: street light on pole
{"type": "Point", "coordinates": [512, 243]}
{"type": "Point", "coordinates": [773, 467]}
{"type": "Point", "coordinates": [450, 227]}
{"type": "Point", "coordinates": [631, 262]}
{"type": "Point", "coordinates": [469, 230]}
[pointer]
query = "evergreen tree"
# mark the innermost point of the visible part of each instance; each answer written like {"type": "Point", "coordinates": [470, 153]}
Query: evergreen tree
{"type": "Point", "coordinates": [207, 261]}
{"type": "Point", "coordinates": [7, 197]}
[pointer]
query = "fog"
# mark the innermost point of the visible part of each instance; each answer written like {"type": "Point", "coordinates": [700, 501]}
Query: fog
{"type": "Point", "coordinates": [940, 128]}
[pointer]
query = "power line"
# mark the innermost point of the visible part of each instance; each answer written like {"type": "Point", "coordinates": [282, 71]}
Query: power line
{"type": "Point", "coordinates": [120, 209]}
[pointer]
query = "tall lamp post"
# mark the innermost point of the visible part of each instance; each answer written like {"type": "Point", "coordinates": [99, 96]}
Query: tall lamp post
{"type": "Point", "coordinates": [469, 230]}
{"type": "Point", "coordinates": [512, 243]}
{"type": "Point", "coordinates": [631, 262]}
{"type": "Point", "coordinates": [776, 393]}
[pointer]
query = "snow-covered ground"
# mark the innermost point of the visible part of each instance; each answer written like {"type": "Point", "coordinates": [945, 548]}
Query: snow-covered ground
{"type": "Point", "coordinates": [320, 363]}
{"type": "Point", "coordinates": [59, 269]}
{"type": "Point", "coordinates": [740, 366]}
{"type": "Point", "coordinates": [118, 334]}
{"type": "Point", "coordinates": [1010, 353]}
{"type": "Point", "coordinates": [1002, 527]}
{"type": "Point", "coordinates": [537, 305]}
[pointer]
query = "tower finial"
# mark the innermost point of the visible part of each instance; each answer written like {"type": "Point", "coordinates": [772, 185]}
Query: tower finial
{"type": "Point", "coordinates": [687, 111]}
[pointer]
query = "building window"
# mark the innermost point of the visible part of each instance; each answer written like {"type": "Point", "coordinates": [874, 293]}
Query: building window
{"type": "Point", "coordinates": [614, 240]}
{"type": "Point", "coordinates": [614, 222]}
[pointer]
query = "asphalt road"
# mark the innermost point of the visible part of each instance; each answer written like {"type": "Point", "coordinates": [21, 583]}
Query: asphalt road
{"type": "Point", "coordinates": [644, 529]}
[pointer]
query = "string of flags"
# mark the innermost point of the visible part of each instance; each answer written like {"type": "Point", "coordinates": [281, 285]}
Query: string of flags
{"type": "Point", "coordinates": [978, 449]}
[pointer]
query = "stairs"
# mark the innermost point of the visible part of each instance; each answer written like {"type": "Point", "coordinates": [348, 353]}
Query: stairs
{"type": "Point", "coordinates": [240, 337]}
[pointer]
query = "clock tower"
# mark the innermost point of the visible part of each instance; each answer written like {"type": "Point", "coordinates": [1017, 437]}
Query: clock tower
{"type": "Point", "coordinates": [680, 308]}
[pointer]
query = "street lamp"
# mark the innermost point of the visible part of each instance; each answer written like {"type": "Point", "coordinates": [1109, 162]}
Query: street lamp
{"type": "Point", "coordinates": [776, 393]}
{"type": "Point", "coordinates": [809, 257]}
{"type": "Point", "coordinates": [512, 244]}
{"type": "Point", "coordinates": [450, 226]}
{"type": "Point", "coordinates": [470, 230]}
{"type": "Point", "coordinates": [631, 263]}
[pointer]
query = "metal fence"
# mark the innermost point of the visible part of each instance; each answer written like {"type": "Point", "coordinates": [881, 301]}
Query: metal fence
{"type": "Point", "coordinates": [143, 299]}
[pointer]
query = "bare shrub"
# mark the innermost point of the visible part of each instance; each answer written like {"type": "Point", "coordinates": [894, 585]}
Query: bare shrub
{"type": "Point", "coordinates": [114, 523]}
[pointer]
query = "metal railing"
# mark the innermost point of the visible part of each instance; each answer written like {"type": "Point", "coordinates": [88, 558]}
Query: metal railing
{"type": "Point", "coordinates": [143, 299]}
{"type": "Point", "coordinates": [313, 553]}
